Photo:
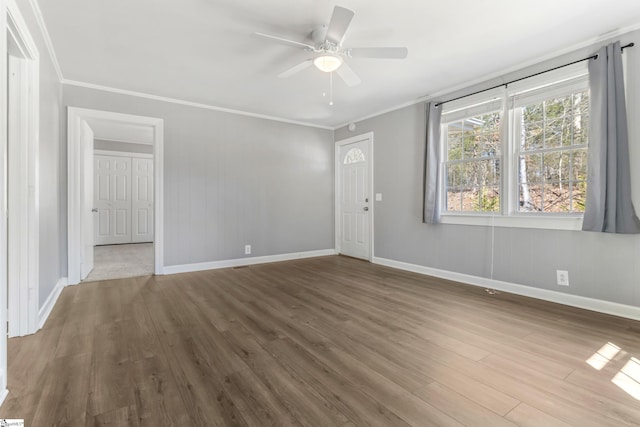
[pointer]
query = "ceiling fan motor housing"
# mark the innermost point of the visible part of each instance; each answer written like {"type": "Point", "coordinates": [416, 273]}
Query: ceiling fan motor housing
{"type": "Point", "coordinates": [319, 35]}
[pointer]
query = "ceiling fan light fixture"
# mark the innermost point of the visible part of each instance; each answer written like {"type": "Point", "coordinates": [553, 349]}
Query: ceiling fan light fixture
{"type": "Point", "coordinates": [327, 63]}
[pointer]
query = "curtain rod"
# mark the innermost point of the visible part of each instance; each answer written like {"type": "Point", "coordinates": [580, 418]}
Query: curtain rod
{"type": "Point", "coordinates": [528, 77]}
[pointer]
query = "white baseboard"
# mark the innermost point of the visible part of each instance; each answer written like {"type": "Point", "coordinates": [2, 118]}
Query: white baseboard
{"type": "Point", "coordinates": [46, 308]}
{"type": "Point", "coordinates": [616, 309]}
{"type": "Point", "coordinates": [213, 265]}
{"type": "Point", "coordinates": [3, 395]}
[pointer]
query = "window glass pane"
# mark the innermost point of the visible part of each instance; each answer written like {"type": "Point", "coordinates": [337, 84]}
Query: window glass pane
{"type": "Point", "coordinates": [530, 198]}
{"type": "Point", "coordinates": [469, 144]}
{"type": "Point", "coordinates": [355, 155]}
{"type": "Point", "coordinates": [490, 199]}
{"type": "Point", "coordinates": [557, 132]}
{"type": "Point", "coordinates": [556, 166]}
{"type": "Point", "coordinates": [557, 197]}
{"type": "Point", "coordinates": [579, 165]}
{"type": "Point", "coordinates": [580, 129]}
{"type": "Point", "coordinates": [454, 141]}
{"type": "Point", "coordinates": [473, 165]}
{"type": "Point", "coordinates": [552, 165]}
{"type": "Point", "coordinates": [454, 199]}
{"type": "Point", "coordinates": [578, 196]}
{"type": "Point", "coordinates": [454, 175]}
{"type": "Point", "coordinates": [530, 168]}
{"type": "Point", "coordinates": [532, 133]}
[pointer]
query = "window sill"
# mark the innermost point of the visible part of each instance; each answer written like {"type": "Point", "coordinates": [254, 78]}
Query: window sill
{"type": "Point", "coordinates": [572, 223]}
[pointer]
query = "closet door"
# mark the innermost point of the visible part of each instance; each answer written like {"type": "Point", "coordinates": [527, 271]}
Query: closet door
{"type": "Point", "coordinates": [112, 199]}
{"type": "Point", "coordinates": [142, 200]}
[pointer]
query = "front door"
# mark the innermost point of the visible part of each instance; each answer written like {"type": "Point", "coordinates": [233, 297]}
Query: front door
{"type": "Point", "coordinates": [354, 215]}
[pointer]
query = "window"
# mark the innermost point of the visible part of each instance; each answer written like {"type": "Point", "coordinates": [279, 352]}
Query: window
{"type": "Point", "coordinates": [551, 144]}
{"type": "Point", "coordinates": [519, 151]}
{"type": "Point", "coordinates": [355, 155]}
{"type": "Point", "coordinates": [473, 163]}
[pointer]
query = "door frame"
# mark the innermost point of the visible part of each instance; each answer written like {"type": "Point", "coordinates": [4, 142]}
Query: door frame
{"type": "Point", "coordinates": [75, 117]}
{"type": "Point", "coordinates": [338, 188]}
{"type": "Point", "coordinates": [23, 208]}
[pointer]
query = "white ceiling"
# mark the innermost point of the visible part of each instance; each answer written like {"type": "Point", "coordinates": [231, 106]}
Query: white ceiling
{"type": "Point", "coordinates": [202, 50]}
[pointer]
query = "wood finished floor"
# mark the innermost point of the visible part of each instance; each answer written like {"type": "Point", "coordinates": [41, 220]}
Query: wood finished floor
{"type": "Point", "coordinates": [329, 341]}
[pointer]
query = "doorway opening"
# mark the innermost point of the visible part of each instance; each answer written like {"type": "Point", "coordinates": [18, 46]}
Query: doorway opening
{"type": "Point", "coordinates": [354, 196]}
{"type": "Point", "coordinates": [115, 210]}
{"type": "Point", "coordinates": [123, 201]}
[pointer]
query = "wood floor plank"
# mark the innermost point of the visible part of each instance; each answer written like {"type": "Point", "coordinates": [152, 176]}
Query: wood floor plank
{"type": "Point", "coordinates": [256, 402]}
{"type": "Point", "coordinates": [63, 400]}
{"type": "Point", "coordinates": [125, 416]}
{"type": "Point", "coordinates": [156, 395]}
{"type": "Point", "coordinates": [460, 408]}
{"type": "Point", "coordinates": [357, 406]}
{"type": "Point", "coordinates": [527, 416]}
{"type": "Point", "coordinates": [328, 341]}
{"type": "Point", "coordinates": [308, 406]}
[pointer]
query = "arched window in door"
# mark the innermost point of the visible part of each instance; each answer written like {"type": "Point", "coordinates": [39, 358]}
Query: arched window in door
{"type": "Point", "coordinates": [355, 155]}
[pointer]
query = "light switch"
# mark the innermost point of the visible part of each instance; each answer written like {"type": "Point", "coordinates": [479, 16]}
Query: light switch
{"type": "Point", "coordinates": [378, 197]}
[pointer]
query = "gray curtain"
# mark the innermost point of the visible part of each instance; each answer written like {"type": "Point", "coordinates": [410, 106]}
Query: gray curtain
{"type": "Point", "coordinates": [608, 205]}
{"type": "Point", "coordinates": [431, 208]}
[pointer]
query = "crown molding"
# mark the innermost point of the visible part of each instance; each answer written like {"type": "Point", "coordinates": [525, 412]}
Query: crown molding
{"type": "Point", "coordinates": [47, 39]}
{"type": "Point", "coordinates": [191, 104]}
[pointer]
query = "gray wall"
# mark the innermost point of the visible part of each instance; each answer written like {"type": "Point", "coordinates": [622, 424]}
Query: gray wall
{"type": "Point", "coordinates": [51, 187]}
{"type": "Point", "coordinates": [231, 180]}
{"type": "Point", "coordinates": [126, 147]}
{"type": "Point", "coordinates": [600, 266]}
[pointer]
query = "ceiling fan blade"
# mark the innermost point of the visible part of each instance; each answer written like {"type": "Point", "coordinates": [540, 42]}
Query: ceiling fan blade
{"type": "Point", "coordinates": [348, 75]}
{"type": "Point", "coordinates": [296, 69]}
{"type": "Point", "coordinates": [340, 20]}
{"type": "Point", "coordinates": [378, 52]}
{"type": "Point", "coordinates": [286, 42]}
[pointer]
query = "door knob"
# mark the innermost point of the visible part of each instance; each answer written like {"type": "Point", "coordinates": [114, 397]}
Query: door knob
{"type": "Point", "coordinates": [366, 208]}
{"type": "Point", "coordinates": [94, 210]}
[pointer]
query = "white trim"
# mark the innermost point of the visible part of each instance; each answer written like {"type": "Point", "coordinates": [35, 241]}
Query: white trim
{"type": "Point", "coordinates": [3, 395]}
{"type": "Point", "coordinates": [19, 30]}
{"type": "Point", "coordinates": [368, 136]}
{"type": "Point", "coordinates": [48, 305]}
{"type": "Point", "coordinates": [75, 118]}
{"type": "Point", "coordinates": [191, 104]}
{"type": "Point", "coordinates": [420, 100]}
{"type": "Point", "coordinates": [607, 307]}
{"type": "Point", "coordinates": [123, 154]}
{"type": "Point", "coordinates": [47, 39]}
{"type": "Point", "coordinates": [214, 265]}
{"type": "Point", "coordinates": [23, 206]}
{"type": "Point", "coordinates": [3, 202]}
{"type": "Point", "coordinates": [550, 222]}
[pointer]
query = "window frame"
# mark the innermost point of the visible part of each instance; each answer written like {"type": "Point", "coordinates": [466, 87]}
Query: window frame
{"type": "Point", "coordinates": [545, 86]}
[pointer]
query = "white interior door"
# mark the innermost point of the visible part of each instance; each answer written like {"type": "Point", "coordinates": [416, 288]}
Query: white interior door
{"type": "Point", "coordinates": [354, 199]}
{"type": "Point", "coordinates": [87, 201]}
{"type": "Point", "coordinates": [112, 199]}
{"type": "Point", "coordinates": [142, 200]}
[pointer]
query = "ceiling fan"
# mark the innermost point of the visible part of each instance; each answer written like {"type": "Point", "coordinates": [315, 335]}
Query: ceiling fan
{"type": "Point", "coordinates": [330, 54]}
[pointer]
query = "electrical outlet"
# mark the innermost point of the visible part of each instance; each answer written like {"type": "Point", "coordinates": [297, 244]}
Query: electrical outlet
{"type": "Point", "coordinates": [247, 249]}
{"type": "Point", "coordinates": [563, 277]}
